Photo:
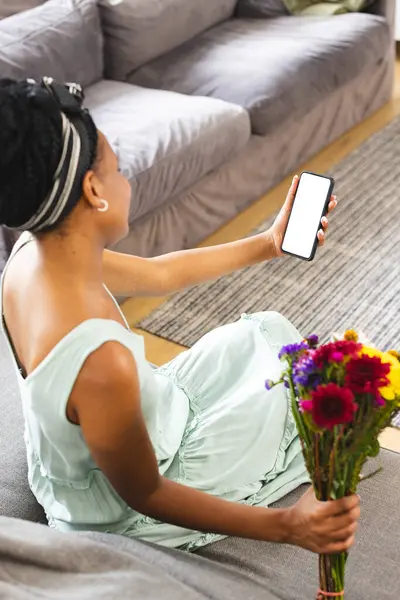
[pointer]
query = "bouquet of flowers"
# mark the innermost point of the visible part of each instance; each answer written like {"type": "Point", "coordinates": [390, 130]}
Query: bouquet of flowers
{"type": "Point", "coordinates": [343, 394]}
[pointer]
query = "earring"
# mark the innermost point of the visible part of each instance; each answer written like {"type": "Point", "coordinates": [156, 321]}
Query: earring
{"type": "Point", "coordinates": [104, 208]}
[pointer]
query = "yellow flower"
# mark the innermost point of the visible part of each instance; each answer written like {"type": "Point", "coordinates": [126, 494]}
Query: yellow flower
{"type": "Point", "coordinates": [351, 335]}
{"type": "Point", "coordinates": [385, 357]}
{"type": "Point", "coordinates": [395, 354]}
{"type": "Point", "coordinates": [392, 390]}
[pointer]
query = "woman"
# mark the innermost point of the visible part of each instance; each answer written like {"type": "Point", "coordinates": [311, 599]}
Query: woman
{"type": "Point", "coordinates": [179, 455]}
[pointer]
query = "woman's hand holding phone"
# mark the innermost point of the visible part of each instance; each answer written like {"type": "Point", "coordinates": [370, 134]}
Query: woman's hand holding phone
{"type": "Point", "coordinates": [278, 229]}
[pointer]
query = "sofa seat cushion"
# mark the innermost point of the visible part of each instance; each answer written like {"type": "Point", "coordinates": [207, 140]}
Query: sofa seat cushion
{"type": "Point", "coordinates": [58, 39]}
{"type": "Point", "coordinates": [278, 69]}
{"type": "Point", "coordinates": [165, 141]}
{"type": "Point", "coordinates": [16, 499]}
{"type": "Point", "coordinates": [372, 570]}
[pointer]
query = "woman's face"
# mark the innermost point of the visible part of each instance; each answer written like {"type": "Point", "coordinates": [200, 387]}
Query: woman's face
{"type": "Point", "coordinates": [116, 190]}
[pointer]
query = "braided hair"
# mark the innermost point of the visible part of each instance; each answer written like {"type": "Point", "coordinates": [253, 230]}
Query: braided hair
{"type": "Point", "coordinates": [31, 144]}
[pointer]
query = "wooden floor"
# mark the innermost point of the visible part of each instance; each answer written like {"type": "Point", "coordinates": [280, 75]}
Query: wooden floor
{"type": "Point", "coordinates": [159, 350]}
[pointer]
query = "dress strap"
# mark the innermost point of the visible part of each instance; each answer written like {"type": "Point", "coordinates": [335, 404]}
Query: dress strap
{"type": "Point", "coordinates": [22, 241]}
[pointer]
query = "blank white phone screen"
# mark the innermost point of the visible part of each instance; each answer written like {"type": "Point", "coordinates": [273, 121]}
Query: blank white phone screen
{"type": "Point", "coordinates": [305, 218]}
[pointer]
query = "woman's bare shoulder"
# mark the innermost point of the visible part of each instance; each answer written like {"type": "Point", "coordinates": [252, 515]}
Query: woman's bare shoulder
{"type": "Point", "coordinates": [41, 308]}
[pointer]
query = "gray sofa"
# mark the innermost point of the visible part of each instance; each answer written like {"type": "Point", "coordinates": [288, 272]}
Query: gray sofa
{"type": "Point", "coordinates": [208, 104]}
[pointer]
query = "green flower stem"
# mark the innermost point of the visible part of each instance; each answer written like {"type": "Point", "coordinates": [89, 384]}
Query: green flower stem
{"type": "Point", "coordinates": [332, 572]}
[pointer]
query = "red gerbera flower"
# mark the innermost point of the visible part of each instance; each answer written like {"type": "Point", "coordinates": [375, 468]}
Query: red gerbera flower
{"type": "Point", "coordinates": [330, 405]}
{"type": "Point", "coordinates": [366, 374]}
{"type": "Point", "coordinates": [328, 352]}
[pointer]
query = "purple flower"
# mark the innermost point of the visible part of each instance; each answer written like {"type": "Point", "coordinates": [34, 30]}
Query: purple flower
{"type": "Point", "coordinates": [269, 384]}
{"type": "Point", "coordinates": [292, 349]}
{"type": "Point", "coordinates": [312, 340]}
{"type": "Point", "coordinates": [306, 365]}
{"type": "Point", "coordinates": [304, 372]}
{"type": "Point", "coordinates": [314, 380]}
{"type": "Point", "coordinates": [300, 379]}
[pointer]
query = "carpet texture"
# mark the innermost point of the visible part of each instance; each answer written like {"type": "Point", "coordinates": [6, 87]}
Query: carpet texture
{"type": "Point", "coordinates": [354, 280]}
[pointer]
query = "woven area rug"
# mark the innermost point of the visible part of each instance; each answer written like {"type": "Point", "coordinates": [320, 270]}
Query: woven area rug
{"type": "Point", "coordinates": [354, 280]}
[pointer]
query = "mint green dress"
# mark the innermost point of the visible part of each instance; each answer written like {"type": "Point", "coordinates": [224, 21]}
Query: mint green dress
{"type": "Point", "coordinates": [212, 424]}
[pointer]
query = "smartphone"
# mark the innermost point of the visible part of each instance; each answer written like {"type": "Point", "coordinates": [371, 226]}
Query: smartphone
{"type": "Point", "coordinates": [309, 206]}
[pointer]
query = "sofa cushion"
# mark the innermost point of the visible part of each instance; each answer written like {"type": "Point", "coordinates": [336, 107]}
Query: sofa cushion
{"type": "Point", "coordinates": [165, 141]}
{"type": "Point", "coordinates": [373, 567]}
{"type": "Point", "coordinates": [279, 69]}
{"type": "Point", "coordinates": [137, 31]}
{"type": "Point", "coordinates": [260, 9]}
{"type": "Point", "coordinates": [16, 499]}
{"type": "Point", "coordinates": [40, 563]}
{"type": "Point", "coordinates": [16, 6]}
{"type": "Point", "coordinates": [59, 39]}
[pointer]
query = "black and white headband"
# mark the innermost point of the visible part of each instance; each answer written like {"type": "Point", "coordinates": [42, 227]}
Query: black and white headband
{"type": "Point", "coordinates": [74, 161]}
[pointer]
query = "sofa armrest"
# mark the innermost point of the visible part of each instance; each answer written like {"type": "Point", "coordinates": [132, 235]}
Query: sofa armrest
{"type": "Point", "coordinates": [387, 9]}
{"type": "Point", "coordinates": [260, 9]}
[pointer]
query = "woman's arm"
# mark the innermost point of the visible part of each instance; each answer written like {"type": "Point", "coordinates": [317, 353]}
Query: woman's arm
{"type": "Point", "coordinates": [106, 402]}
{"type": "Point", "coordinates": [127, 275]}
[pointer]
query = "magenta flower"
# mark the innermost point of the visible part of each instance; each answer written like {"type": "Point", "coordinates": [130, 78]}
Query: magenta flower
{"type": "Point", "coordinates": [366, 374]}
{"type": "Point", "coordinates": [379, 400]}
{"type": "Point", "coordinates": [330, 405]}
{"type": "Point", "coordinates": [323, 354]}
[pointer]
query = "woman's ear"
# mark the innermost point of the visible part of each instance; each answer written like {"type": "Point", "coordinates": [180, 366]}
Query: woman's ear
{"type": "Point", "coordinates": [92, 189]}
